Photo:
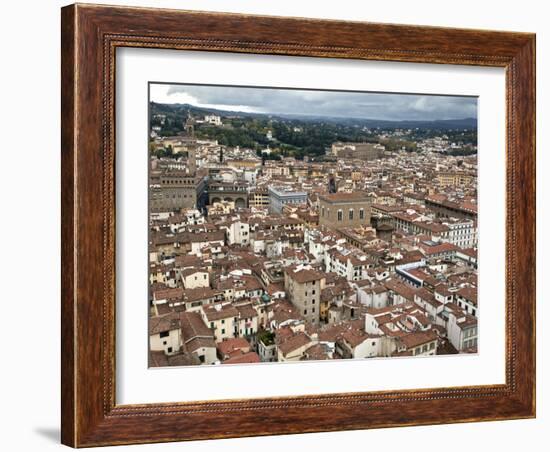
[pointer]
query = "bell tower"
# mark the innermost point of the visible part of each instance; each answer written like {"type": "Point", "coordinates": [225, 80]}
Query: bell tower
{"type": "Point", "coordinates": [190, 125]}
{"type": "Point", "coordinates": [192, 160]}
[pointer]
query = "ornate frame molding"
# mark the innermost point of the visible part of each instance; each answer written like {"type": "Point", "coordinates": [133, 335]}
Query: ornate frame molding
{"type": "Point", "coordinates": [91, 35]}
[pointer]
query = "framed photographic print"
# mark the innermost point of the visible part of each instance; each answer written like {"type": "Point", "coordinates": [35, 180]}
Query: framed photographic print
{"type": "Point", "coordinates": [281, 225]}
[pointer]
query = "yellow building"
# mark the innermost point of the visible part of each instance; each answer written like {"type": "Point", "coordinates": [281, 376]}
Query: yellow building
{"type": "Point", "coordinates": [454, 179]}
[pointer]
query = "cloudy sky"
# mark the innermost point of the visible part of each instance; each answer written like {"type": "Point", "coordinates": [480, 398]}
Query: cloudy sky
{"type": "Point", "coordinates": [318, 103]}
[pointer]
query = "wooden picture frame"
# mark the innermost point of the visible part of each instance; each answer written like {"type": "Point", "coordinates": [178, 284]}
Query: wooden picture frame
{"type": "Point", "coordinates": [90, 36]}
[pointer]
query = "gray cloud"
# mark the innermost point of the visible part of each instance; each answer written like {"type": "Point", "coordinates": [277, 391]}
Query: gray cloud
{"type": "Point", "coordinates": [332, 103]}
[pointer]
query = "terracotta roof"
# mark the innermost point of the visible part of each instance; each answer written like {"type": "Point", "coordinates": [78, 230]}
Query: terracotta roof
{"type": "Point", "coordinates": [354, 337]}
{"type": "Point", "coordinates": [417, 338]}
{"type": "Point", "coordinates": [163, 308]}
{"type": "Point", "coordinates": [275, 287]}
{"type": "Point", "coordinates": [191, 271]}
{"type": "Point", "coordinates": [304, 275]}
{"type": "Point", "coordinates": [244, 282]}
{"type": "Point", "coordinates": [168, 294]}
{"type": "Point", "coordinates": [442, 289]}
{"type": "Point", "coordinates": [466, 321]}
{"type": "Point", "coordinates": [400, 289]}
{"type": "Point", "coordinates": [284, 310]}
{"type": "Point", "coordinates": [428, 297]}
{"type": "Point", "coordinates": [188, 260]}
{"type": "Point", "coordinates": [226, 311]}
{"type": "Point", "coordinates": [294, 342]}
{"type": "Point", "coordinates": [345, 197]}
{"type": "Point", "coordinates": [200, 342]}
{"type": "Point", "coordinates": [316, 352]}
{"type": "Point", "coordinates": [439, 248]}
{"type": "Point", "coordinates": [469, 293]}
{"type": "Point", "coordinates": [192, 326]}
{"type": "Point", "coordinates": [188, 237]}
{"type": "Point", "coordinates": [164, 323]}
{"type": "Point", "coordinates": [160, 359]}
{"type": "Point", "coordinates": [199, 293]}
{"type": "Point", "coordinates": [470, 252]}
{"type": "Point", "coordinates": [246, 311]}
{"type": "Point", "coordinates": [230, 345]}
{"type": "Point", "coordinates": [245, 358]}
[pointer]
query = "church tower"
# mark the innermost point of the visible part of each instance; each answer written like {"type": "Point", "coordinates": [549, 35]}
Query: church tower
{"type": "Point", "coordinates": [190, 125]}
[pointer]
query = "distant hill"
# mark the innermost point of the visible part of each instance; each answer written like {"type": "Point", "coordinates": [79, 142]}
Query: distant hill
{"type": "Point", "coordinates": [464, 123]}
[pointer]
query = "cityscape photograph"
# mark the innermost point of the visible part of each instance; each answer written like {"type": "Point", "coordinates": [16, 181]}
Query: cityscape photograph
{"type": "Point", "coordinates": [290, 225]}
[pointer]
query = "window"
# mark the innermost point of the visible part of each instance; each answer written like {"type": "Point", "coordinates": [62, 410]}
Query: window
{"type": "Point", "coordinates": [169, 350]}
{"type": "Point", "coordinates": [223, 331]}
{"type": "Point", "coordinates": [305, 311]}
{"type": "Point", "coordinates": [164, 334]}
{"type": "Point", "coordinates": [312, 292]}
{"type": "Point", "coordinates": [350, 214]}
{"type": "Point", "coordinates": [361, 214]}
{"type": "Point", "coordinates": [340, 215]}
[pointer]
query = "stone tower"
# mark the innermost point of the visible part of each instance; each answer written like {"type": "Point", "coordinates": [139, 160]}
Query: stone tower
{"type": "Point", "coordinates": [190, 125]}
{"type": "Point", "coordinates": [192, 159]}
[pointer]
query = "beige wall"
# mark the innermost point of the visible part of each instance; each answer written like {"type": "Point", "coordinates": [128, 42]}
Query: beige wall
{"type": "Point", "coordinates": [199, 279]}
{"type": "Point", "coordinates": [209, 354]}
{"type": "Point", "coordinates": [252, 328]}
{"type": "Point", "coordinates": [328, 213]}
{"type": "Point", "coordinates": [173, 340]}
{"type": "Point", "coordinates": [306, 297]}
{"type": "Point", "coordinates": [223, 328]}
